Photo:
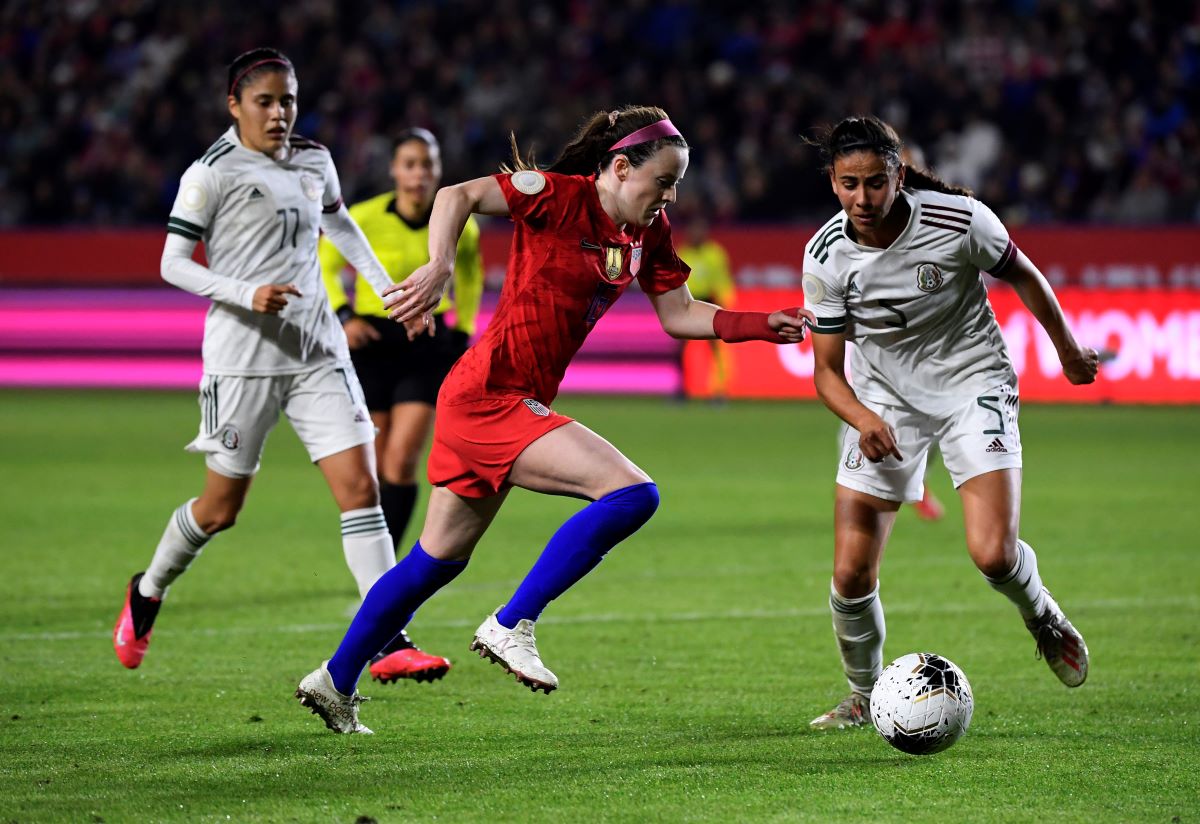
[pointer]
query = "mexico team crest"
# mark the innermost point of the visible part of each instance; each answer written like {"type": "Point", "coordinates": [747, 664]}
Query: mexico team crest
{"type": "Point", "coordinates": [929, 277]}
{"type": "Point", "coordinates": [231, 439]}
{"type": "Point", "coordinates": [854, 459]}
{"type": "Point", "coordinates": [635, 260]}
{"type": "Point", "coordinates": [614, 261]}
{"type": "Point", "coordinates": [310, 187]}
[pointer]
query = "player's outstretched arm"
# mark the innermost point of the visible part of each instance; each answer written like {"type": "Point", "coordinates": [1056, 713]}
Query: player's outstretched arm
{"type": "Point", "coordinates": [1079, 363]}
{"type": "Point", "coordinates": [876, 438]}
{"type": "Point", "coordinates": [421, 291]}
{"type": "Point", "coordinates": [684, 317]}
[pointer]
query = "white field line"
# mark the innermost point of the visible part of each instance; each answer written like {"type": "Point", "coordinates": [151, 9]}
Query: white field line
{"type": "Point", "coordinates": [983, 604]}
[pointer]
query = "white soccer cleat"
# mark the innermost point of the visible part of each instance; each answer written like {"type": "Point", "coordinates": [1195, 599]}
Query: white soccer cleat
{"type": "Point", "coordinates": [851, 711]}
{"type": "Point", "coordinates": [516, 650]}
{"type": "Point", "coordinates": [339, 712]}
{"type": "Point", "coordinates": [1060, 643]}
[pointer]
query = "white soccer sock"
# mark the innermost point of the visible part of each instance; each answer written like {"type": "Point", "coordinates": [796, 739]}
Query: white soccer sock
{"type": "Point", "coordinates": [859, 627]}
{"type": "Point", "coordinates": [1022, 585]}
{"type": "Point", "coordinates": [367, 545]}
{"type": "Point", "coordinates": [181, 542]}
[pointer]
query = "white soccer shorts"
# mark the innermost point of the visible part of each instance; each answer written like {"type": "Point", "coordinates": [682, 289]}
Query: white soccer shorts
{"type": "Point", "coordinates": [980, 436]}
{"type": "Point", "coordinates": [325, 406]}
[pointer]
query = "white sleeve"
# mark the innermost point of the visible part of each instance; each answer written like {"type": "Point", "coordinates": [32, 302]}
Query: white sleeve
{"type": "Point", "coordinates": [178, 269]}
{"type": "Point", "coordinates": [344, 233]}
{"type": "Point", "coordinates": [988, 244]}
{"type": "Point", "coordinates": [196, 202]}
{"type": "Point", "coordinates": [824, 297]}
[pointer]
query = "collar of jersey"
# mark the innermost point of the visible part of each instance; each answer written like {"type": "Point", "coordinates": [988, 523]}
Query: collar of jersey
{"type": "Point", "coordinates": [613, 236]}
{"type": "Point", "coordinates": [420, 224]}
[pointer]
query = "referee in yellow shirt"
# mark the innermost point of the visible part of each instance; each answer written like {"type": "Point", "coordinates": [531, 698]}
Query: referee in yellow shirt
{"type": "Point", "coordinates": [711, 280]}
{"type": "Point", "coordinates": [401, 378]}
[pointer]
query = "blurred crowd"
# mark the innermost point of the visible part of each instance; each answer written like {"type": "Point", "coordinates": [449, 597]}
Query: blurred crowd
{"type": "Point", "coordinates": [1070, 111]}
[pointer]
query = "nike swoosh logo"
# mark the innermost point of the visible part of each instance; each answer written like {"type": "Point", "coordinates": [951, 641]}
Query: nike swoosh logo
{"type": "Point", "coordinates": [587, 244]}
{"type": "Point", "coordinates": [119, 639]}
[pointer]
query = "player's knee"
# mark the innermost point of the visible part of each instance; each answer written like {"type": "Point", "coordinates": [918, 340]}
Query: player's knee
{"type": "Point", "coordinates": [853, 579]}
{"type": "Point", "coordinates": [217, 519]}
{"type": "Point", "coordinates": [995, 556]}
{"type": "Point", "coordinates": [639, 501]}
{"type": "Point", "coordinates": [400, 471]}
{"type": "Point", "coordinates": [359, 492]}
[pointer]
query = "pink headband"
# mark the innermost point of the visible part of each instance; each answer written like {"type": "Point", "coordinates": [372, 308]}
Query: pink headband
{"type": "Point", "coordinates": [661, 128]}
{"type": "Point", "coordinates": [254, 66]}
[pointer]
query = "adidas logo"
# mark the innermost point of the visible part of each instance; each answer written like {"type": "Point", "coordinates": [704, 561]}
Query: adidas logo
{"type": "Point", "coordinates": [255, 194]}
{"type": "Point", "coordinates": [995, 446]}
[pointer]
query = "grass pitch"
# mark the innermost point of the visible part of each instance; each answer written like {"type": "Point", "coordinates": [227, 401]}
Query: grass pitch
{"type": "Point", "coordinates": [691, 660]}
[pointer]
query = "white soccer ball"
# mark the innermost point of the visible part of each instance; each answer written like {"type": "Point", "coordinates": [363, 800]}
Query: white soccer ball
{"type": "Point", "coordinates": [921, 703]}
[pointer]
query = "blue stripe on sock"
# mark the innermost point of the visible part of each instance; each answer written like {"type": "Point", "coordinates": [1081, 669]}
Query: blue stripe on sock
{"type": "Point", "coordinates": [387, 609]}
{"type": "Point", "coordinates": [578, 546]}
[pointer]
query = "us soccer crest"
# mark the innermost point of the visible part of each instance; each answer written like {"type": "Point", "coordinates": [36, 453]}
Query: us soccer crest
{"type": "Point", "coordinates": [635, 259]}
{"type": "Point", "coordinates": [929, 277]}
{"type": "Point", "coordinates": [614, 261]}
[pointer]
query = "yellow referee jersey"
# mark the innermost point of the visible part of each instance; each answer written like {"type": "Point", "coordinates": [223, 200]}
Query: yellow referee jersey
{"type": "Point", "coordinates": [710, 279]}
{"type": "Point", "coordinates": [402, 247]}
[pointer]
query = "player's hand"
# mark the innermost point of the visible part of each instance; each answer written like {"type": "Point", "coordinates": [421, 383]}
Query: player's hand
{"type": "Point", "coordinates": [359, 332]}
{"type": "Point", "coordinates": [1081, 364]}
{"type": "Point", "coordinates": [418, 293]}
{"type": "Point", "coordinates": [271, 299]}
{"type": "Point", "coordinates": [877, 439]}
{"type": "Point", "coordinates": [791, 324]}
{"type": "Point", "coordinates": [420, 325]}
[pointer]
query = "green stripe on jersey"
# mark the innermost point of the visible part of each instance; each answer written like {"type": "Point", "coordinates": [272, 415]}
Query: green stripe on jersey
{"type": "Point", "coordinates": [822, 254]}
{"type": "Point", "coordinates": [187, 233]}
{"type": "Point", "coordinates": [829, 325]}
{"type": "Point", "coordinates": [211, 158]}
{"type": "Point", "coordinates": [822, 235]}
{"type": "Point", "coordinates": [220, 144]}
{"type": "Point", "coordinates": [184, 224]}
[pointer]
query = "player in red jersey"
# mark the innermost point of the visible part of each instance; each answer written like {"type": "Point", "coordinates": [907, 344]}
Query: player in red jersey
{"type": "Point", "coordinates": [585, 228]}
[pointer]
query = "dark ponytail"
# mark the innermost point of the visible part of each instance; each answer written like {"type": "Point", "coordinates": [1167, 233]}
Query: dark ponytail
{"type": "Point", "coordinates": [915, 178]}
{"type": "Point", "coordinates": [249, 66]}
{"type": "Point", "coordinates": [870, 134]}
{"type": "Point", "coordinates": [588, 151]}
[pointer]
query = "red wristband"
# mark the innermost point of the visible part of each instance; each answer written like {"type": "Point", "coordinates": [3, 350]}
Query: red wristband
{"type": "Point", "coordinates": [736, 327]}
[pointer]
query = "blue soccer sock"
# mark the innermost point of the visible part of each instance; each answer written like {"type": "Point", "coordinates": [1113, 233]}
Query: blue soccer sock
{"type": "Point", "coordinates": [578, 546]}
{"type": "Point", "coordinates": [386, 610]}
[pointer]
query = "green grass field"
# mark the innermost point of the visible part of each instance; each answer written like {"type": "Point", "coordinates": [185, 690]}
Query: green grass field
{"type": "Point", "coordinates": [691, 661]}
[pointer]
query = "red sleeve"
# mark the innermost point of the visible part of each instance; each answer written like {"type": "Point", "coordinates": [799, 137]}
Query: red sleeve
{"type": "Point", "coordinates": [535, 198]}
{"type": "Point", "coordinates": [662, 270]}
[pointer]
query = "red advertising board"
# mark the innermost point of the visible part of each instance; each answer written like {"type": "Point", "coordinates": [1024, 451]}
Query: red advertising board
{"type": "Point", "coordinates": [1154, 333]}
{"type": "Point", "coordinates": [762, 257]}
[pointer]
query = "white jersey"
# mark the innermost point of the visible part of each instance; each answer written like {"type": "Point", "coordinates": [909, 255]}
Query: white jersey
{"type": "Point", "coordinates": [260, 220]}
{"type": "Point", "coordinates": [925, 334]}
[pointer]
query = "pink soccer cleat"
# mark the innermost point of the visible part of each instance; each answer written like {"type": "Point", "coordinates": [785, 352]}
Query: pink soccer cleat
{"type": "Point", "coordinates": [131, 635]}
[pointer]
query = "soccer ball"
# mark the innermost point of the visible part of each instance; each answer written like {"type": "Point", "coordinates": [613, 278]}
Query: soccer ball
{"type": "Point", "coordinates": [921, 703]}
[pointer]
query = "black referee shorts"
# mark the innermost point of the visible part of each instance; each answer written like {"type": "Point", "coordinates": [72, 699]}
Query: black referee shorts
{"type": "Point", "coordinates": [396, 370]}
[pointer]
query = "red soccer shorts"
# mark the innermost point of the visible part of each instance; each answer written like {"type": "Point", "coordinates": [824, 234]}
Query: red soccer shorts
{"type": "Point", "coordinates": [476, 443]}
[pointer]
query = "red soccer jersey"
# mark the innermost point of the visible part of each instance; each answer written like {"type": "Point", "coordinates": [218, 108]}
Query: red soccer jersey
{"type": "Point", "coordinates": [568, 263]}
